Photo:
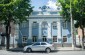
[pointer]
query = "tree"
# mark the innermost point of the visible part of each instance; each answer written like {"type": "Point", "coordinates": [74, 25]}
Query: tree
{"type": "Point", "coordinates": [78, 13]}
{"type": "Point", "coordinates": [14, 11]}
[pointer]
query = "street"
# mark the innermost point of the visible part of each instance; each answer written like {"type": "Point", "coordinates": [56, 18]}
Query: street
{"type": "Point", "coordinates": [4, 52]}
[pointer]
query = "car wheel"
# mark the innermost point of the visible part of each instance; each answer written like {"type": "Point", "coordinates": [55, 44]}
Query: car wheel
{"type": "Point", "coordinates": [48, 50]}
{"type": "Point", "coordinates": [29, 50]}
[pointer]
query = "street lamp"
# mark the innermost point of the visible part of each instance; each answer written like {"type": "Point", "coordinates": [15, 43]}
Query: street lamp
{"type": "Point", "coordinates": [72, 27]}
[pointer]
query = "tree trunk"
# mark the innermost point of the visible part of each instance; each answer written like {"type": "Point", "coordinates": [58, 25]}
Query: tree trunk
{"type": "Point", "coordinates": [8, 35]}
{"type": "Point", "coordinates": [7, 42]}
{"type": "Point", "coordinates": [82, 38]}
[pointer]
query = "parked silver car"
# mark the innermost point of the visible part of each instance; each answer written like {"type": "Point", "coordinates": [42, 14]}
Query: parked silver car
{"type": "Point", "coordinates": [39, 46]}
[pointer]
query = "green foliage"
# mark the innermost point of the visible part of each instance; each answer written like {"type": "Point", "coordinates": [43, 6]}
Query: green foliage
{"type": "Point", "coordinates": [23, 11]}
{"type": "Point", "coordinates": [65, 8]}
{"type": "Point", "coordinates": [14, 11]}
{"type": "Point", "coordinates": [78, 11]}
{"type": "Point", "coordinates": [17, 10]}
{"type": "Point", "coordinates": [5, 3]}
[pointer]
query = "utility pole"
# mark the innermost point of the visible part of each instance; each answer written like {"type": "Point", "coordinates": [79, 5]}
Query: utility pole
{"type": "Point", "coordinates": [72, 26]}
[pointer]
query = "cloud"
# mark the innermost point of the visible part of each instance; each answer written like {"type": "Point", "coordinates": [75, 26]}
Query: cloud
{"type": "Point", "coordinates": [52, 5]}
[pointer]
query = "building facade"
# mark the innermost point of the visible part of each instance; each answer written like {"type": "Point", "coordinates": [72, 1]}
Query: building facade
{"type": "Point", "coordinates": [79, 36]}
{"type": "Point", "coordinates": [45, 25]}
{"type": "Point", "coordinates": [13, 35]}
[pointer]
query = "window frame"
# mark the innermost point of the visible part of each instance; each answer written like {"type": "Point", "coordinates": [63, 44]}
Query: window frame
{"type": "Point", "coordinates": [65, 25]}
{"type": "Point", "coordinates": [54, 25]}
{"type": "Point", "coordinates": [44, 24]}
{"type": "Point", "coordinates": [24, 24]}
{"type": "Point", "coordinates": [65, 39]}
{"type": "Point", "coordinates": [34, 24]}
{"type": "Point", "coordinates": [56, 38]}
{"type": "Point", "coordinates": [44, 38]}
{"type": "Point", "coordinates": [24, 38]}
{"type": "Point", "coordinates": [34, 38]}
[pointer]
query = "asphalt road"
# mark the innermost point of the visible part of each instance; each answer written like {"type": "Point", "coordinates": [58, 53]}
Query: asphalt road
{"type": "Point", "coordinates": [4, 52]}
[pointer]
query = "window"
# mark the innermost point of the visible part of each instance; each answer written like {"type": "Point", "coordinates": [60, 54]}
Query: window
{"type": "Point", "coordinates": [43, 43]}
{"type": "Point", "coordinates": [44, 39]}
{"type": "Point", "coordinates": [36, 44]}
{"type": "Point", "coordinates": [24, 24]}
{"type": "Point", "coordinates": [54, 38]}
{"type": "Point", "coordinates": [64, 25]}
{"type": "Point", "coordinates": [44, 24]}
{"type": "Point", "coordinates": [24, 39]}
{"type": "Point", "coordinates": [54, 25]}
{"type": "Point", "coordinates": [64, 39]}
{"type": "Point", "coordinates": [34, 25]}
{"type": "Point", "coordinates": [34, 38]}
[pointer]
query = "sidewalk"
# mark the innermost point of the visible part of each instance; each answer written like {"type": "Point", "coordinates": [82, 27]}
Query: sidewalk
{"type": "Point", "coordinates": [68, 49]}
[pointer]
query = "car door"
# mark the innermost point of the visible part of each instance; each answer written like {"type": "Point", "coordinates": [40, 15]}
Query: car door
{"type": "Point", "coordinates": [43, 46]}
{"type": "Point", "coordinates": [36, 46]}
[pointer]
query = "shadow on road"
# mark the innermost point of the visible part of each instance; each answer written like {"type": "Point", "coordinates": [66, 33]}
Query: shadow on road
{"type": "Point", "coordinates": [21, 50]}
{"type": "Point", "coordinates": [40, 52]}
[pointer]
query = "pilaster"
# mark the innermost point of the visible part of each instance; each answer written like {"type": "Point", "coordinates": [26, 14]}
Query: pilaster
{"type": "Point", "coordinates": [49, 30]}
{"type": "Point", "coordinates": [40, 30]}
{"type": "Point", "coordinates": [59, 29]}
{"type": "Point", "coordinates": [30, 30]}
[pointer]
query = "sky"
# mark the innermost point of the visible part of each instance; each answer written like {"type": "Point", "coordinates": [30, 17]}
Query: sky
{"type": "Point", "coordinates": [40, 3]}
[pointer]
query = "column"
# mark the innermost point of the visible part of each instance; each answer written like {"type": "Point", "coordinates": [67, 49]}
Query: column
{"type": "Point", "coordinates": [40, 30]}
{"type": "Point", "coordinates": [30, 30]}
{"type": "Point", "coordinates": [59, 29]}
{"type": "Point", "coordinates": [49, 30]}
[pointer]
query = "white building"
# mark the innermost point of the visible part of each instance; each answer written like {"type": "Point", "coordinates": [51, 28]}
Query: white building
{"type": "Point", "coordinates": [47, 26]}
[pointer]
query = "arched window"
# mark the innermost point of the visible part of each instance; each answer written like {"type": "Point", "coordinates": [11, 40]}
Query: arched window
{"type": "Point", "coordinates": [34, 31]}
{"type": "Point", "coordinates": [54, 25]}
{"type": "Point", "coordinates": [34, 24]}
{"type": "Point", "coordinates": [24, 24]}
{"type": "Point", "coordinates": [64, 25]}
{"type": "Point", "coordinates": [44, 24]}
{"type": "Point", "coordinates": [44, 31]}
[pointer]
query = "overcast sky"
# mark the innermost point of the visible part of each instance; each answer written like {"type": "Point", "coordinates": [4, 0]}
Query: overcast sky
{"type": "Point", "coordinates": [40, 3]}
